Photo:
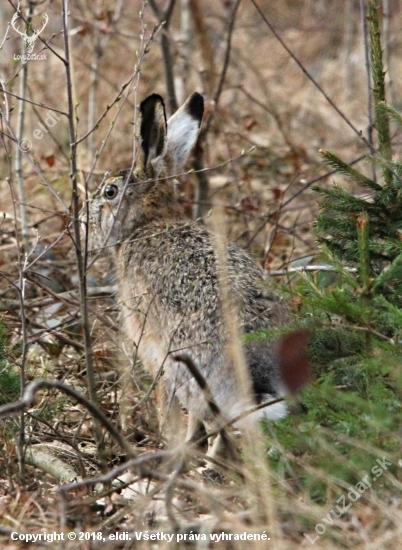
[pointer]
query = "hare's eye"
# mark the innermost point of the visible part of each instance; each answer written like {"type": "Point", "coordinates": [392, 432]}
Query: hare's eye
{"type": "Point", "coordinates": [110, 191]}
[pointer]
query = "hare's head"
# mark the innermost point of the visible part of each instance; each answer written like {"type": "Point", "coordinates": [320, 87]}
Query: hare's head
{"type": "Point", "coordinates": [132, 198]}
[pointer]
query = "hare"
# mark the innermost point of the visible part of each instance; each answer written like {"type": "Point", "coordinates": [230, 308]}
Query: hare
{"type": "Point", "coordinates": [167, 276]}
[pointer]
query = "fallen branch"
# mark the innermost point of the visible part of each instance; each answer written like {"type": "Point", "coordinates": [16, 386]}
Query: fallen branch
{"type": "Point", "coordinates": [28, 399]}
{"type": "Point", "coordinates": [49, 463]}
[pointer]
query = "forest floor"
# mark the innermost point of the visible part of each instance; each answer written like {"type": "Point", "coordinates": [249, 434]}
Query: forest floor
{"type": "Point", "coordinates": [330, 474]}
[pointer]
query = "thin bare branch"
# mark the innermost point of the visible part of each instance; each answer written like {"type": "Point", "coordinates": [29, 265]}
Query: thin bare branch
{"type": "Point", "coordinates": [28, 398]}
{"type": "Point", "coordinates": [308, 74]}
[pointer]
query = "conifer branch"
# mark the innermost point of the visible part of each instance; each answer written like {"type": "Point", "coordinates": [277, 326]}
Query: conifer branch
{"type": "Point", "coordinates": [337, 199]}
{"type": "Point", "coordinates": [347, 170]}
{"type": "Point", "coordinates": [377, 71]}
{"type": "Point", "coordinates": [390, 111]}
{"type": "Point", "coordinates": [364, 249]}
{"type": "Point", "coordinates": [389, 273]}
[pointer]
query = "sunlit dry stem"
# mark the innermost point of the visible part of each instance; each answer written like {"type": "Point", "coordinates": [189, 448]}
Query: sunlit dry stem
{"type": "Point", "coordinates": [81, 267]}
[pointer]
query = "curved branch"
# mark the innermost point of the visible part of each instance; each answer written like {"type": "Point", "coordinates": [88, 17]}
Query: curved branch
{"type": "Point", "coordinates": [308, 75]}
{"type": "Point", "coordinates": [28, 399]}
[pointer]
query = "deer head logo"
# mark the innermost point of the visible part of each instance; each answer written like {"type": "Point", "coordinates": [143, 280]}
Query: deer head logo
{"type": "Point", "coordinates": [29, 40]}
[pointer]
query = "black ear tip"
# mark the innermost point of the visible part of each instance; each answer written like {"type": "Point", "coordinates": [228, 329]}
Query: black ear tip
{"type": "Point", "coordinates": [150, 102]}
{"type": "Point", "coordinates": [196, 106]}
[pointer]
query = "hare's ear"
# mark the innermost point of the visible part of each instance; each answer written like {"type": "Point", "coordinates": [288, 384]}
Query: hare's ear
{"type": "Point", "coordinates": [153, 131]}
{"type": "Point", "coordinates": [183, 129]}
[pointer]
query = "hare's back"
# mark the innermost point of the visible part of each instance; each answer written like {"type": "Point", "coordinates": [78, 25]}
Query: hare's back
{"type": "Point", "coordinates": [178, 261]}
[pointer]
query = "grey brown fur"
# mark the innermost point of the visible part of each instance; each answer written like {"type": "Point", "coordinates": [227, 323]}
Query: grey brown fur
{"type": "Point", "coordinates": [168, 277]}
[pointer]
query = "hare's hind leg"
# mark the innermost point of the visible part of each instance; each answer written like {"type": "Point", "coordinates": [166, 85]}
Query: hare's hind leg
{"type": "Point", "coordinates": [195, 428]}
{"type": "Point", "coordinates": [222, 454]}
{"type": "Point", "coordinates": [170, 415]}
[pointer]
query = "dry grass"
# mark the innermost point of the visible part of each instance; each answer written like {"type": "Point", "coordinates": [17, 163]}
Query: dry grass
{"type": "Point", "coordinates": [262, 151]}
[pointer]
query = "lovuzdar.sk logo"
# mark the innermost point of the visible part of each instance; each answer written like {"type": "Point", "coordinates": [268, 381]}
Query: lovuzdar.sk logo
{"type": "Point", "coordinates": [29, 40]}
